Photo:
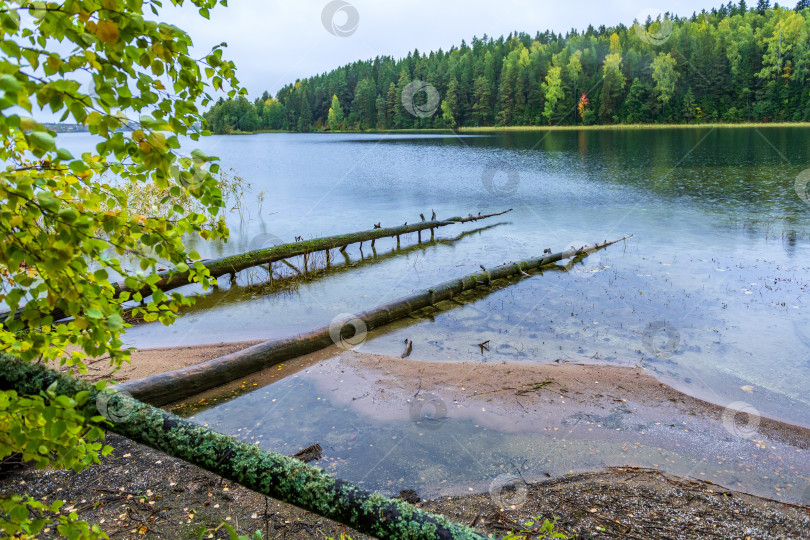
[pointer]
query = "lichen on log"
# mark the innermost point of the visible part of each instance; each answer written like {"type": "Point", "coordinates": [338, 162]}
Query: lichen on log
{"type": "Point", "coordinates": [275, 475]}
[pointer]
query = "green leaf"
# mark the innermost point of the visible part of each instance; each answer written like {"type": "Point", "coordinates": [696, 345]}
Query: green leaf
{"type": "Point", "coordinates": [41, 142]}
{"type": "Point", "coordinates": [115, 322]}
{"type": "Point", "coordinates": [9, 83]}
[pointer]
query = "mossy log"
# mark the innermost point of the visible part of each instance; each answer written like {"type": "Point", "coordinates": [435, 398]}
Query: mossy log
{"type": "Point", "coordinates": [282, 477]}
{"type": "Point", "coordinates": [165, 388]}
{"type": "Point", "coordinates": [235, 293]}
{"type": "Point", "coordinates": [236, 263]}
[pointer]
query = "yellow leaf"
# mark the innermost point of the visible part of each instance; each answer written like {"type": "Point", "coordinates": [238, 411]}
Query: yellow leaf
{"type": "Point", "coordinates": [15, 221]}
{"type": "Point", "coordinates": [158, 140]}
{"type": "Point", "coordinates": [27, 122]}
{"type": "Point", "coordinates": [91, 59]}
{"type": "Point", "coordinates": [53, 62]}
{"type": "Point", "coordinates": [107, 31]}
{"type": "Point", "coordinates": [93, 118]}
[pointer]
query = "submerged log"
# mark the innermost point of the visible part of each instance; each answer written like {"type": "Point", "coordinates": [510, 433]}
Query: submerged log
{"type": "Point", "coordinates": [236, 263]}
{"type": "Point", "coordinates": [277, 283]}
{"type": "Point", "coordinates": [172, 386]}
{"type": "Point", "coordinates": [282, 477]}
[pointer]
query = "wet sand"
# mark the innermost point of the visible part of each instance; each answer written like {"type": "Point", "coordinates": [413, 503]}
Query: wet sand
{"type": "Point", "coordinates": [145, 362]}
{"type": "Point", "coordinates": [507, 397]}
{"type": "Point", "coordinates": [521, 397]}
{"type": "Point", "coordinates": [171, 499]}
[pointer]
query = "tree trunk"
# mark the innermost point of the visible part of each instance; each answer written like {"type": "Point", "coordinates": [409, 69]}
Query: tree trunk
{"type": "Point", "coordinates": [275, 475]}
{"type": "Point", "coordinates": [277, 283]}
{"type": "Point", "coordinates": [237, 263]}
{"type": "Point", "coordinates": [172, 386]}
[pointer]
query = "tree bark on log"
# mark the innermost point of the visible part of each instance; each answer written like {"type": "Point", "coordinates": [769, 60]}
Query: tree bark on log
{"type": "Point", "coordinates": [237, 263]}
{"type": "Point", "coordinates": [275, 475]}
{"type": "Point", "coordinates": [220, 296]}
{"type": "Point", "coordinates": [172, 386]}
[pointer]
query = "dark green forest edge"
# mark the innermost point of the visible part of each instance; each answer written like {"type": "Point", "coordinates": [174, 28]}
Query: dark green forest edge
{"type": "Point", "coordinates": [731, 64]}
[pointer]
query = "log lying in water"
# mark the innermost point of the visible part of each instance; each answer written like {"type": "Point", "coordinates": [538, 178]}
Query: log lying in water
{"type": "Point", "coordinates": [282, 477]}
{"type": "Point", "coordinates": [345, 331]}
{"type": "Point", "coordinates": [236, 293]}
{"type": "Point", "coordinates": [236, 263]}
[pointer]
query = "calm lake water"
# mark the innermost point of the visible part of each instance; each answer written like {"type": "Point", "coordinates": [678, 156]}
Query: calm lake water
{"type": "Point", "coordinates": [710, 296]}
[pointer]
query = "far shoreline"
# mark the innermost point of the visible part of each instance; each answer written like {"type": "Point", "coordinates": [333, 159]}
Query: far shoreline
{"type": "Point", "coordinates": [597, 127]}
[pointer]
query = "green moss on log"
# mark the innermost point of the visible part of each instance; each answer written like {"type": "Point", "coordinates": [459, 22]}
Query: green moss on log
{"type": "Point", "coordinates": [236, 263]}
{"type": "Point", "coordinates": [275, 475]}
{"type": "Point", "coordinates": [168, 387]}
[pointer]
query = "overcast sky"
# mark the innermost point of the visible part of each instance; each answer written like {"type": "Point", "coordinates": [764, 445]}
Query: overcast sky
{"type": "Point", "coordinates": [274, 43]}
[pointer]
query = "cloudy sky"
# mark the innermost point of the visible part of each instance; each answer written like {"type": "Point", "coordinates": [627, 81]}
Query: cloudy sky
{"type": "Point", "coordinates": [274, 42]}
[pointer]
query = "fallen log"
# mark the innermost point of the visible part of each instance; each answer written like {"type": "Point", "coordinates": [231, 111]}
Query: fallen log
{"type": "Point", "coordinates": [165, 388]}
{"type": "Point", "coordinates": [236, 293]}
{"type": "Point", "coordinates": [236, 263]}
{"type": "Point", "coordinates": [282, 477]}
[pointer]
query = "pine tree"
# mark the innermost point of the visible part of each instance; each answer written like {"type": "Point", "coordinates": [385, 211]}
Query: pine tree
{"type": "Point", "coordinates": [381, 112]}
{"type": "Point", "coordinates": [689, 105]}
{"type": "Point", "coordinates": [402, 119]}
{"type": "Point", "coordinates": [506, 97]}
{"type": "Point", "coordinates": [481, 101]}
{"type": "Point", "coordinates": [391, 106]}
{"type": "Point", "coordinates": [634, 103]}
{"type": "Point", "coordinates": [305, 118]}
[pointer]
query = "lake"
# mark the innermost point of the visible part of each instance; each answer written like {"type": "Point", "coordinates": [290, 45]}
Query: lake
{"type": "Point", "coordinates": [709, 296]}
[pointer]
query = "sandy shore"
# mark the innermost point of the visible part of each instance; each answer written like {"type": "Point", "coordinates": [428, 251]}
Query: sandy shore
{"type": "Point", "coordinates": [508, 397]}
{"type": "Point", "coordinates": [145, 362]}
{"type": "Point", "coordinates": [600, 415]}
{"type": "Point", "coordinates": [521, 397]}
{"type": "Point", "coordinates": [170, 499]}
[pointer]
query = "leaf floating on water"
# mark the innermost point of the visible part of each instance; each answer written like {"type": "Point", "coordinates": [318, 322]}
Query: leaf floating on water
{"type": "Point", "coordinates": [747, 388]}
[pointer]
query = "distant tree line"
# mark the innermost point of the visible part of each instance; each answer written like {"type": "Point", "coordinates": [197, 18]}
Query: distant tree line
{"type": "Point", "coordinates": [730, 64]}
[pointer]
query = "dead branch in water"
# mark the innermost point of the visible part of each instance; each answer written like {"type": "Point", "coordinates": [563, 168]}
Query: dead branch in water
{"type": "Point", "coordinates": [164, 388]}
